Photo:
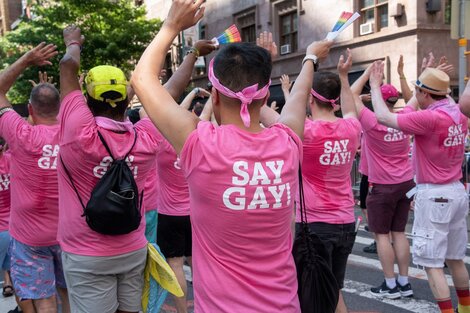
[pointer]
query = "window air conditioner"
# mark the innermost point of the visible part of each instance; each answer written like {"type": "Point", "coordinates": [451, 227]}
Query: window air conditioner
{"type": "Point", "coordinates": [366, 28]}
{"type": "Point", "coordinates": [285, 49]}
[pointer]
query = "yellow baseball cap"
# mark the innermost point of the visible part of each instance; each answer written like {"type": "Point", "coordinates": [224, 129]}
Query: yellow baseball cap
{"type": "Point", "coordinates": [104, 78]}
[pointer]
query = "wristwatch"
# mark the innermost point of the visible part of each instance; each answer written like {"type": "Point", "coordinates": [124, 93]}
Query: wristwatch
{"type": "Point", "coordinates": [5, 110]}
{"type": "Point", "coordinates": [313, 58]}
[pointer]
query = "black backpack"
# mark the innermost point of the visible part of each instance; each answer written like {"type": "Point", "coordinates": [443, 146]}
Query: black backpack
{"type": "Point", "coordinates": [113, 208]}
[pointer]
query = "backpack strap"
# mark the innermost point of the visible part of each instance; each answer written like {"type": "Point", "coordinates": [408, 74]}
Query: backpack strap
{"type": "Point", "coordinates": [71, 180]}
{"type": "Point", "coordinates": [109, 150]}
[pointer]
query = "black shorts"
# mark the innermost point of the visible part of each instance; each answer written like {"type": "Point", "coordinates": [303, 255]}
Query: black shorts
{"type": "Point", "coordinates": [363, 191]}
{"type": "Point", "coordinates": [174, 235]}
{"type": "Point", "coordinates": [339, 241]}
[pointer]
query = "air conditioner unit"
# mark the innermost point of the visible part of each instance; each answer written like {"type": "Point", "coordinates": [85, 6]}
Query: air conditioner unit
{"type": "Point", "coordinates": [285, 49]}
{"type": "Point", "coordinates": [366, 28]}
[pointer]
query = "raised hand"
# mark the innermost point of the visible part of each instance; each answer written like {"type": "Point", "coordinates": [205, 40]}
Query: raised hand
{"type": "Point", "coordinates": [184, 14]}
{"type": "Point", "coordinates": [376, 74]}
{"type": "Point", "coordinates": [400, 66]}
{"type": "Point", "coordinates": [204, 47]}
{"type": "Point", "coordinates": [445, 66]}
{"type": "Point", "coordinates": [43, 78]}
{"type": "Point", "coordinates": [345, 66]}
{"type": "Point", "coordinates": [285, 82]}
{"type": "Point", "coordinates": [72, 33]}
{"type": "Point", "coordinates": [320, 48]}
{"type": "Point", "coordinates": [274, 106]}
{"type": "Point", "coordinates": [428, 62]}
{"type": "Point", "coordinates": [265, 40]}
{"type": "Point", "coordinates": [41, 54]}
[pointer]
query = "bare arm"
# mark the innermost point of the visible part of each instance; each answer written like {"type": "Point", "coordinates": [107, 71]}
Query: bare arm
{"type": "Point", "coordinates": [268, 116]}
{"type": "Point", "coordinates": [39, 56]}
{"type": "Point", "coordinates": [285, 85]}
{"type": "Point", "coordinates": [294, 112]}
{"type": "Point", "coordinates": [465, 100]}
{"type": "Point", "coordinates": [357, 87]}
{"type": "Point", "coordinates": [384, 116]}
{"type": "Point", "coordinates": [207, 111]}
{"type": "Point", "coordinates": [70, 62]}
{"type": "Point", "coordinates": [406, 92]}
{"type": "Point", "coordinates": [174, 122]}
{"type": "Point", "coordinates": [348, 107]}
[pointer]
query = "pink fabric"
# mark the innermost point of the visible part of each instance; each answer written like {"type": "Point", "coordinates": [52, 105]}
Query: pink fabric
{"type": "Point", "coordinates": [439, 145]}
{"type": "Point", "coordinates": [4, 190]}
{"type": "Point", "coordinates": [34, 193]}
{"type": "Point", "coordinates": [174, 190]}
{"type": "Point", "coordinates": [246, 96]}
{"type": "Point", "coordinates": [321, 98]}
{"type": "Point", "coordinates": [87, 160]}
{"type": "Point", "coordinates": [387, 151]}
{"type": "Point", "coordinates": [363, 165]}
{"type": "Point", "coordinates": [242, 239]}
{"type": "Point", "coordinates": [329, 151]}
{"type": "Point", "coordinates": [152, 190]}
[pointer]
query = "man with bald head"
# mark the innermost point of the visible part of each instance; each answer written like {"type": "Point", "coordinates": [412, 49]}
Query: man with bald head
{"type": "Point", "coordinates": [36, 266]}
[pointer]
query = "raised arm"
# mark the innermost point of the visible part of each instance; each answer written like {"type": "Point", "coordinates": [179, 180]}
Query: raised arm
{"type": "Point", "coordinates": [70, 62]}
{"type": "Point", "coordinates": [285, 85]}
{"type": "Point", "coordinates": [404, 87]}
{"type": "Point", "coordinates": [180, 79]}
{"type": "Point", "coordinates": [465, 100]}
{"type": "Point", "coordinates": [384, 116]}
{"type": "Point", "coordinates": [186, 103]}
{"type": "Point", "coordinates": [357, 87]}
{"type": "Point", "coordinates": [294, 112]}
{"type": "Point", "coordinates": [348, 107]}
{"type": "Point", "coordinates": [38, 56]}
{"type": "Point", "coordinates": [174, 122]}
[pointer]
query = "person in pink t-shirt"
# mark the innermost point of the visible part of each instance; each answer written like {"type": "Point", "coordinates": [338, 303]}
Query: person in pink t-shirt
{"type": "Point", "coordinates": [242, 178]}
{"type": "Point", "coordinates": [391, 177]}
{"type": "Point", "coordinates": [36, 267]}
{"type": "Point", "coordinates": [441, 202]}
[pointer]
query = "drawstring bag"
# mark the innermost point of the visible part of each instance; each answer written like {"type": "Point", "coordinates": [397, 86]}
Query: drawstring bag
{"type": "Point", "coordinates": [318, 290]}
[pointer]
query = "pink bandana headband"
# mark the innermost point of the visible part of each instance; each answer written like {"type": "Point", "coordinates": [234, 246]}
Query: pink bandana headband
{"type": "Point", "coordinates": [321, 98]}
{"type": "Point", "coordinates": [246, 96]}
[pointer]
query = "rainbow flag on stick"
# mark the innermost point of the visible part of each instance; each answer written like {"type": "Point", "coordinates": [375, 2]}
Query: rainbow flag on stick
{"type": "Point", "coordinates": [346, 19]}
{"type": "Point", "coordinates": [230, 35]}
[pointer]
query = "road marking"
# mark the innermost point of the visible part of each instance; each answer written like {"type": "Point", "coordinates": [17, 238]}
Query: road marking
{"type": "Point", "coordinates": [410, 304]}
{"type": "Point", "coordinates": [368, 241]}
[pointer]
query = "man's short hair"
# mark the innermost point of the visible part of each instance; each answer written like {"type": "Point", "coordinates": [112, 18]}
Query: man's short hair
{"type": "Point", "coordinates": [102, 108]}
{"type": "Point", "coordinates": [328, 85]}
{"type": "Point", "coordinates": [45, 100]}
{"type": "Point", "coordinates": [240, 65]}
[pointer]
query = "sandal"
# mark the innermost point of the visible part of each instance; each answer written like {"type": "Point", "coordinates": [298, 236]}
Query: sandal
{"type": "Point", "coordinates": [8, 291]}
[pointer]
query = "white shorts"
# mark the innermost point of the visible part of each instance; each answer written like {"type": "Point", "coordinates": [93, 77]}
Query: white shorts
{"type": "Point", "coordinates": [105, 284]}
{"type": "Point", "coordinates": [440, 224]}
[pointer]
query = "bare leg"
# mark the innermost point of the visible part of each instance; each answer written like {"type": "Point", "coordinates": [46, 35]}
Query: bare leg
{"type": "Point", "coordinates": [341, 307]}
{"type": "Point", "coordinates": [386, 254]}
{"type": "Point", "coordinates": [48, 305]}
{"type": "Point", "coordinates": [176, 265]}
{"type": "Point", "coordinates": [64, 297]}
{"type": "Point", "coordinates": [438, 283]}
{"type": "Point", "coordinates": [26, 306]}
{"type": "Point", "coordinates": [401, 247]}
{"type": "Point", "coordinates": [459, 273]}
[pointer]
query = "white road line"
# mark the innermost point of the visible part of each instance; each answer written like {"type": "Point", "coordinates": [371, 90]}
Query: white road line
{"type": "Point", "coordinates": [410, 304]}
{"type": "Point", "coordinates": [368, 241]}
{"type": "Point", "coordinates": [412, 271]}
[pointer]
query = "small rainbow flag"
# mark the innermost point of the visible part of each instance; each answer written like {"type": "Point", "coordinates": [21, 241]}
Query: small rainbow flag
{"type": "Point", "coordinates": [230, 35]}
{"type": "Point", "coordinates": [345, 16]}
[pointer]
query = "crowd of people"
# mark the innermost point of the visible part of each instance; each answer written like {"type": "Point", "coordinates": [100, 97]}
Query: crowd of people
{"type": "Point", "coordinates": [216, 185]}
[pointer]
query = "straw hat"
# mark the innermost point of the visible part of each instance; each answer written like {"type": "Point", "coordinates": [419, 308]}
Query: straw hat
{"type": "Point", "coordinates": [433, 81]}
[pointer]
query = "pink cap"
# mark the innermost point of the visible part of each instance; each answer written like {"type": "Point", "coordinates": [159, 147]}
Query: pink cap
{"type": "Point", "coordinates": [388, 91]}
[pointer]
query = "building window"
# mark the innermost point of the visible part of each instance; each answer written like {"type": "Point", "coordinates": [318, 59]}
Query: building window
{"type": "Point", "coordinates": [246, 23]}
{"type": "Point", "coordinates": [288, 30]}
{"type": "Point", "coordinates": [374, 12]}
{"type": "Point", "coordinates": [447, 12]}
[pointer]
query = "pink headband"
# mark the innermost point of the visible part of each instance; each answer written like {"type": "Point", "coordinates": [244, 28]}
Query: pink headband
{"type": "Point", "coordinates": [321, 98]}
{"type": "Point", "coordinates": [246, 96]}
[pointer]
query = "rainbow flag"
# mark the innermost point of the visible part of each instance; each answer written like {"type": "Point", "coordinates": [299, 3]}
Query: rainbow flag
{"type": "Point", "coordinates": [230, 35]}
{"type": "Point", "coordinates": [346, 19]}
{"type": "Point", "coordinates": [345, 16]}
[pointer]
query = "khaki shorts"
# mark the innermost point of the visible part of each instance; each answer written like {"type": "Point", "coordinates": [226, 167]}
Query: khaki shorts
{"type": "Point", "coordinates": [105, 284]}
{"type": "Point", "coordinates": [440, 224]}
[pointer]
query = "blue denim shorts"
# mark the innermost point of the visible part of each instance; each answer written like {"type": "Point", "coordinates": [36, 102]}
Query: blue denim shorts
{"type": "Point", "coordinates": [4, 255]}
{"type": "Point", "coordinates": [36, 271]}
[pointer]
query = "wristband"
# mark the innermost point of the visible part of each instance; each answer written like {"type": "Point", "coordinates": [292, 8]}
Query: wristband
{"type": "Point", "coordinates": [313, 58]}
{"type": "Point", "coordinates": [74, 42]}
{"type": "Point", "coordinates": [194, 51]}
{"type": "Point", "coordinates": [5, 110]}
{"type": "Point", "coordinates": [402, 77]}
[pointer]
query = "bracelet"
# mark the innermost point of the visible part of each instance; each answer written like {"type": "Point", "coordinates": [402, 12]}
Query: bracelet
{"type": "Point", "coordinates": [196, 91]}
{"type": "Point", "coordinates": [194, 51]}
{"type": "Point", "coordinates": [402, 77]}
{"type": "Point", "coordinates": [5, 110]}
{"type": "Point", "coordinates": [74, 42]}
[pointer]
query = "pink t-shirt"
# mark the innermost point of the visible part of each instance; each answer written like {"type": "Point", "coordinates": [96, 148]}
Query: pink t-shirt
{"type": "Point", "coordinates": [87, 160]}
{"type": "Point", "coordinates": [151, 190]}
{"type": "Point", "coordinates": [242, 187]}
{"type": "Point", "coordinates": [363, 166]}
{"type": "Point", "coordinates": [174, 190]}
{"type": "Point", "coordinates": [34, 193]}
{"type": "Point", "coordinates": [387, 151]}
{"type": "Point", "coordinates": [329, 150]}
{"type": "Point", "coordinates": [4, 190]}
{"type": "Point", "coordinates": [439, 145]}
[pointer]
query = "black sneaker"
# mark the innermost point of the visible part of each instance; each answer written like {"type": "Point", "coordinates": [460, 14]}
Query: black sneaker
{"type": "Point", "coordinates": [406, 290]}
{"type": "Point", "coordinates": [384, 292]}
{"type": "Point", "coordinates": [372, 248]}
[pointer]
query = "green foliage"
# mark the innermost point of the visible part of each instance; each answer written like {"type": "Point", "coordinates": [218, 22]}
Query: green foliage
{"type": "Point", "coordinates": [116, 33]}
